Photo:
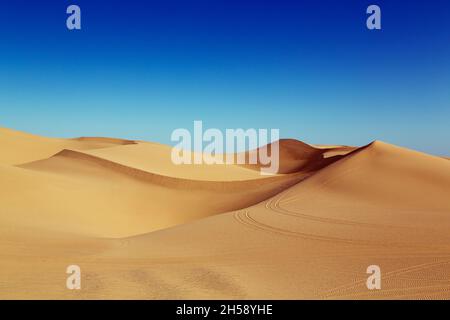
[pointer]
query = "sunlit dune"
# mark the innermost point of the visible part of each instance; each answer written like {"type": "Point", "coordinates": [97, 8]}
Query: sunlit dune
{"type": "Point", "coordinates": [20, 147]}
{"type": "Point", "coordinates": [141, 227]}
{"type": "Point", "coordinates": [125, 200]}
{"type": "Point", "coordinates": [156, 158]}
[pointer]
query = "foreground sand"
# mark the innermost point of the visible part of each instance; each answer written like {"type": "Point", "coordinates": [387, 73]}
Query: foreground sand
{"type": "Point", "coordinates": [140, 227]}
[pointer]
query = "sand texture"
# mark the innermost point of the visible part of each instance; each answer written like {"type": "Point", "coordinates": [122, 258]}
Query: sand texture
{"type": "Point", "coordinates": [141, 227]}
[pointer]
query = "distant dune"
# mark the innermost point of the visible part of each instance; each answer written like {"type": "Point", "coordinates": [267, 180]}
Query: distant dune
{"type": "Point", "coordinates": [156, 158]}
{"type": "Point", "coordinates": [20, 147]}
{"type": "Point", "coordinates": [296, 155]}
{"type": "Point", "coordinates": [142, 227]}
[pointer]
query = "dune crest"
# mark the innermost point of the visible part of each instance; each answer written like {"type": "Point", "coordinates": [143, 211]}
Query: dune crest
{"type": "Point", "coordinates": [156, 158]}
{"type": "Point", "coordinates": [76, 162]}
{"type": "Point", "coordinates": [322, 233]}
{"type": "Point", "coordinates": [114, 141]}
{"type": "Point", "coordinates": [20, 147]}
{"type": "Point", "coordinates": [298, 156]}
{"type": "Point", "coordinates": [126, 200]}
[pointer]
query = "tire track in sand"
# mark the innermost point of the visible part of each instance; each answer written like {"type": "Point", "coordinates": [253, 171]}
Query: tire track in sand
{"type": "Point", "coordinates": [244, 217]}
{"type": "Point", "coordinates": [339, 290]}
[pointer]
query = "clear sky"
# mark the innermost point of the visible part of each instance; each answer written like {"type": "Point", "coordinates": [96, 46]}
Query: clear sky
{"type": "Point", "coordinates": [140, 69]}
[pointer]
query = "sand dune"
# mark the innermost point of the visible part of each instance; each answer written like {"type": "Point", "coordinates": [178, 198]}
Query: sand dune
{"type": "Point", "coordinates": [105, 140]}
{"type": "Point", "coordinates": [140, 227]}
{"type": "Point", "coordinates": [326, 230]}
{"type": "Point", "coordinates": [20, 147]}
{"type": "Point", "coordinates": [156, 158]}
{"type": "Point", "coordinates": [298, 156]}
{"type": "Point", "coordinates": [125, 200]}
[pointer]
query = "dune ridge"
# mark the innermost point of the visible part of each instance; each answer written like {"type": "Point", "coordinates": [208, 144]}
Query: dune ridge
{"type": "Point", "coordinates": [106, 140]}
{"type": "Point", "coordinates": [143, 201]}
{"type": "Point", "coordinates": [156, 158]}
{"type": "Point", "coordinates": [166, 181]}
{"type": "Point", "coordinates": [323, 233]}
{"type": "Point", "coordinates": [296, 155]}
{"type": "Point", "coordinates": [20, 147]}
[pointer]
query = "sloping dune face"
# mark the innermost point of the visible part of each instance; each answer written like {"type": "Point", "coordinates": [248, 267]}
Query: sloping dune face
{"type": "Point", "coordinates": [156, 158]}
{"type": "Point", "coordinates": [297, 156]}
{"type": "Point", "coordinates": [381, 205]}
{"type": "Point", "coordinates": [105, 198]}
{"type": "Point", "coordinates": [143, 229]}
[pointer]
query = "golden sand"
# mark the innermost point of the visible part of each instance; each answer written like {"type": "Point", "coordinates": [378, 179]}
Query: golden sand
{"type": "Point", "coordinates": [141, 227]}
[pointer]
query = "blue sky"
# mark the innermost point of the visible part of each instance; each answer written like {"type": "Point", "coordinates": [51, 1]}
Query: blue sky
{"type": "Point", "coordinates": [140, 69]}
